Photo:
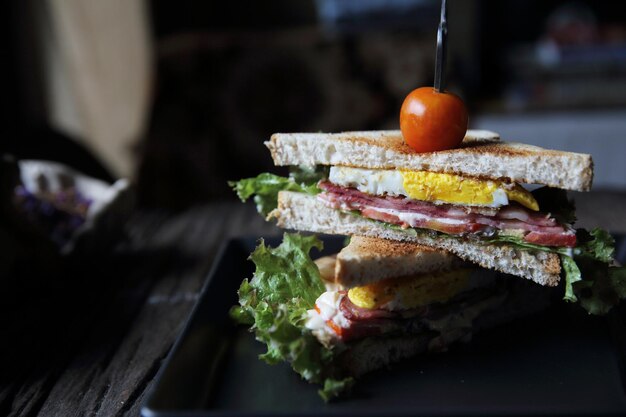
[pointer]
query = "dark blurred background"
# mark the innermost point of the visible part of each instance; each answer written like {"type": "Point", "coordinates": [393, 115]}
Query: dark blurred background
{"type": "Point", "coordinates": [179, 96]}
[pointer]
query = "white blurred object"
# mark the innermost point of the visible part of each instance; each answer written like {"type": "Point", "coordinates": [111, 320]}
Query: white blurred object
{"type": "Point", "coordinates": [98, 64]}
{"type": "Point", "coordinates": [109, 208]}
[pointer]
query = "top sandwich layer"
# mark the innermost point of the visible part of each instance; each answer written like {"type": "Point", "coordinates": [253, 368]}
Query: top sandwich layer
{"type": "Point", "coordinates": [481, 154]}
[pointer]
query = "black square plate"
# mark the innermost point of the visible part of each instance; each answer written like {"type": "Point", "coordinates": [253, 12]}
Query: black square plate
{"type": "Point", "coordinates": [559, 362]}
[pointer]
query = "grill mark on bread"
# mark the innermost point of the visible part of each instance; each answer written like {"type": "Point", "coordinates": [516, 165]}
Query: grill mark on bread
{"type": "Point", "coordinates": [385, 247]}
{"type": "Point", "coordinates": [395, 142]}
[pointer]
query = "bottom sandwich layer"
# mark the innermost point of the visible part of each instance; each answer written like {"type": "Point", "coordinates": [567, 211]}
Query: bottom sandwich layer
{"type": "Point", "coordinates": [329, 340]}
{"type": "Point", "coordinates": [373, 353]}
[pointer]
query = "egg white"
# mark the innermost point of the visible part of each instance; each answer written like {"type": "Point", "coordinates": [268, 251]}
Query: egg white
{"type": "Point", "coordinates": [370, 181]}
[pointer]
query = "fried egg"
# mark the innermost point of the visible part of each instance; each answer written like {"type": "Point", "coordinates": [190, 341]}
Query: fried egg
{"type": "Point", "coordinates": [438, 188]}
{"type": "Point", "coordinates": [406, 293]}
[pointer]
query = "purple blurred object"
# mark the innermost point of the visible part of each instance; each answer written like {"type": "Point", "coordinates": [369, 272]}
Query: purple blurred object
{"type": "Point", "coordinates": [76, 212]}
{"type": "Point", "coordinates": [58, 215]}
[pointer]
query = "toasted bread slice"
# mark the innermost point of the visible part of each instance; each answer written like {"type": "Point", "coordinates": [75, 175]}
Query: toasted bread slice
{"type": "Point", "coordinates": [481, 154]}
{"type": "Point", "coordinates": [300, 211]}
{"type": "Point", "coordinates": [367, 259]}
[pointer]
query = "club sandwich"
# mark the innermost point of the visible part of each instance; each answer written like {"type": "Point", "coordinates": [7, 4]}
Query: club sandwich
{"type": "Point", "coordinates": [472, 201]}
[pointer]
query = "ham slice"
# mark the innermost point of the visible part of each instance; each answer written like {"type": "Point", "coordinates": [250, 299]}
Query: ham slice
{"type": "Point", "coordinates": [363, 322]}
{"type": "Point", "coordinates": [354, 313]}
{"type": "Point", "coordinates": [358, 322]}
{"type": "Point", "coordinates": [536, 227]}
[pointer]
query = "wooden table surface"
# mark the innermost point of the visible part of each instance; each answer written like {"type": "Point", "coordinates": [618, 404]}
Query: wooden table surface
{"type": "Point", "coordinates": [92, 343]}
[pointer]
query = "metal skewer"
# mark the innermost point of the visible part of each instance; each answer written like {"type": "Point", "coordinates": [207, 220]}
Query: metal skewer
{"type": "Point", "coordinates": [440, 57]}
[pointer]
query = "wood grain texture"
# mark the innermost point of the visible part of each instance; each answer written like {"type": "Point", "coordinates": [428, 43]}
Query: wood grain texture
{"type": "Point", "coordinates": [96, 344]}
{"type": "Point", "coordinates": [93, 343]}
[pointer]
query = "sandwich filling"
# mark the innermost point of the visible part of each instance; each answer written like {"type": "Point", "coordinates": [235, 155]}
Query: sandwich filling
{"type": "Point", "coordinates": [445, 203]}
{"type": "Point", "coordinates": [438, 188]}
{"type": "Point", "coordinates": [444, 302]}
{"type": "Point", "coordinates": [587, 257]}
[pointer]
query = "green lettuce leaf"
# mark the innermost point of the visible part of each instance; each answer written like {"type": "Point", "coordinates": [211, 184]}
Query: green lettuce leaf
{"type": "Point", "coordinates": [287, 272]}
{"type": "Point", "coordinates": [285, 285]}
{"type": "Point", "coordinates": [264, 189]}
{"type": "Point", "coordinates": [602, 286]}
{"type": "Point", "coordinates": [335, 387]}
{"type": "Point", "coordinates": [598, 285]}
{"type": "Point", "coordinates": [617, 275]}
{"type": "Point", "coordinates": [597, 244]}
{"type": "Point", "coordinates": [572, 274]}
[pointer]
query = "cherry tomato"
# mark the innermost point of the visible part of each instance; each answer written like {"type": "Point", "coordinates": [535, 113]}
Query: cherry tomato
{"type": "Point", "coordinates": [432, 121]}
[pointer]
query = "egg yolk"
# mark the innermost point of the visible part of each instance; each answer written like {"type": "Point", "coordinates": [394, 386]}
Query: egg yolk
{"type": "Point", "coordinates": [451, 188]}
{"type": "Point", "coordinates": [410, 292]}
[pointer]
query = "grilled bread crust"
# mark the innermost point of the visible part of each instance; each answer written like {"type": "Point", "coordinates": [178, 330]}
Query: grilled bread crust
{"type": "Point", "coordinates": [481, 155]}
{"type": "Point", "coordinates": [368, 259]}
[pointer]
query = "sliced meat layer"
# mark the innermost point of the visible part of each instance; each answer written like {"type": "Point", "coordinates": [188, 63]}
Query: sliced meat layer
{"type": "Point", "coordinates": [534, 227]}
{"type": "Point", "coordinates": [356, 323]}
